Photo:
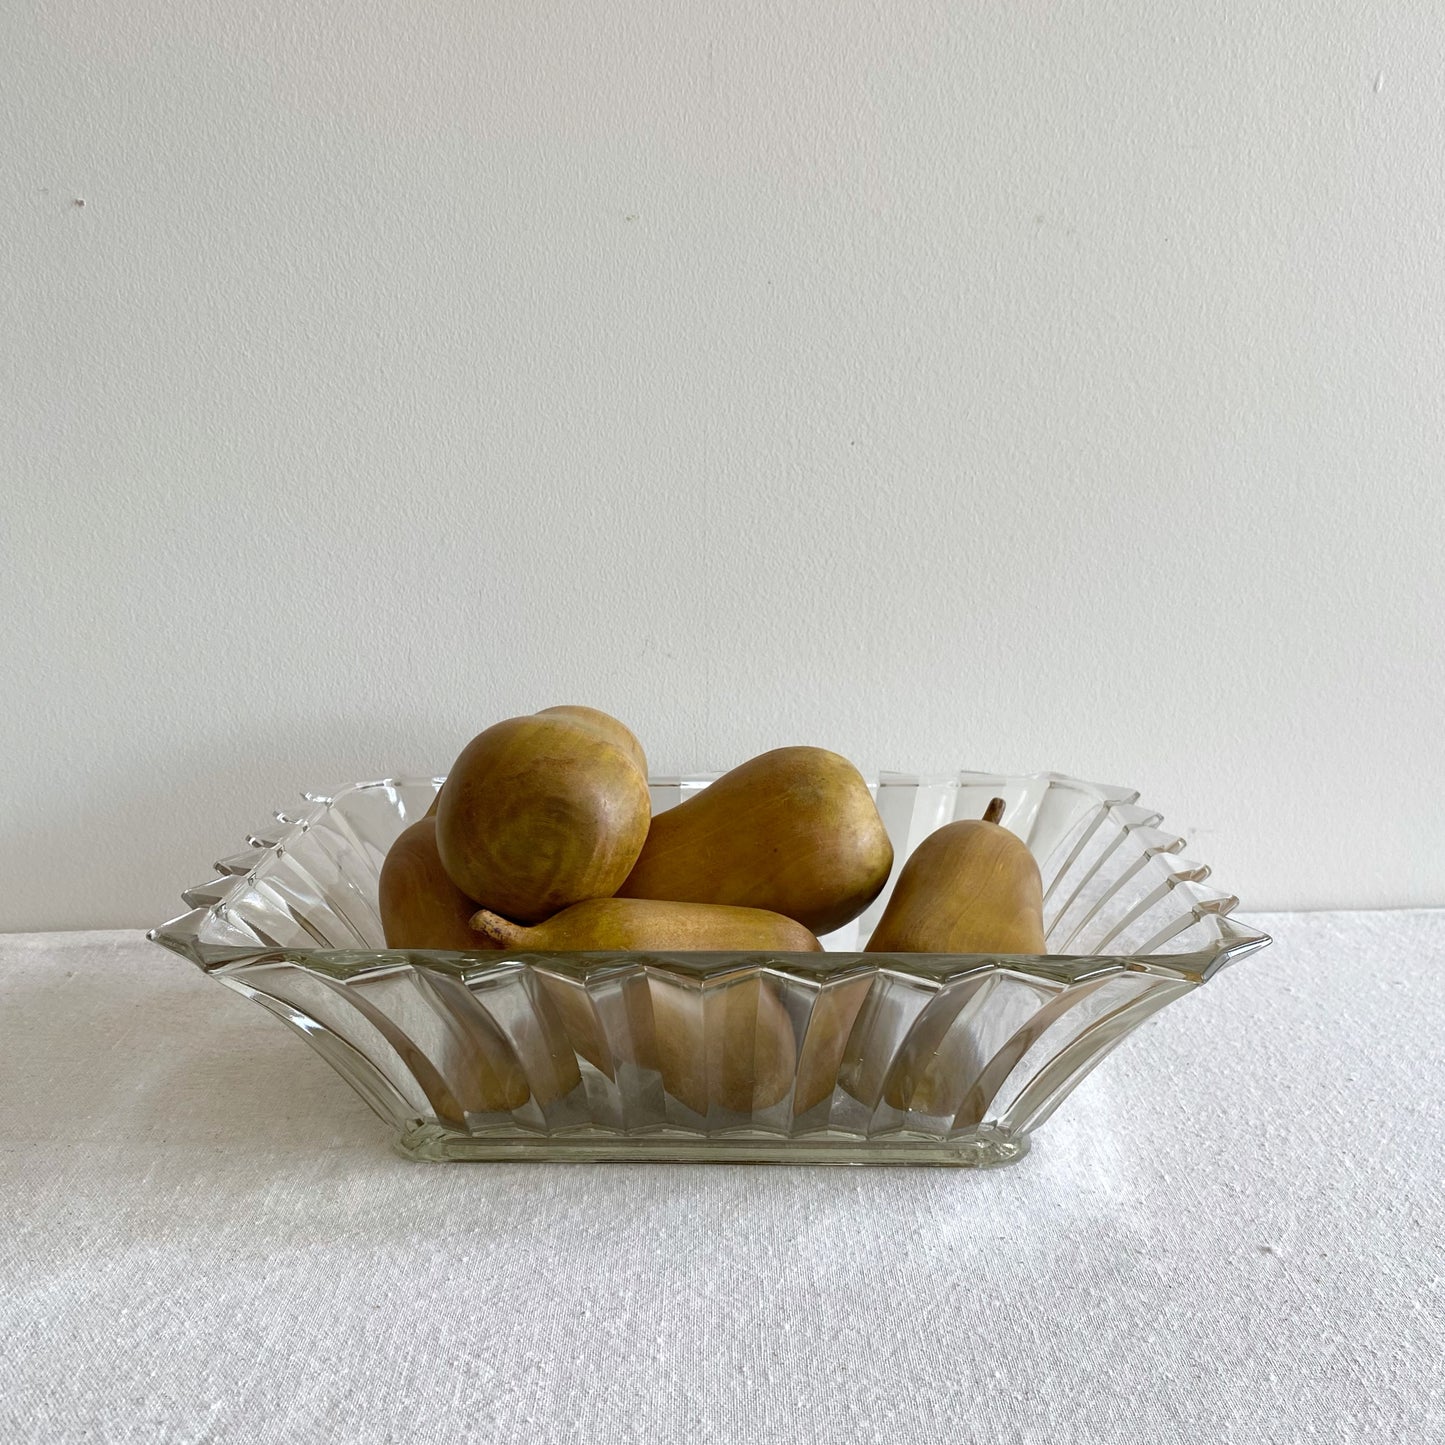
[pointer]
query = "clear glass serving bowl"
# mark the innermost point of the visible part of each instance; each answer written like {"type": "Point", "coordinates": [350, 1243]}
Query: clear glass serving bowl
{"type": "Point", "coordinates": [845, 1057]}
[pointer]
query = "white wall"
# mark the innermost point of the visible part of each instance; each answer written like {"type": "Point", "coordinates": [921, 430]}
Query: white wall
{"type": "Point", "coordinates": [1050, 386]}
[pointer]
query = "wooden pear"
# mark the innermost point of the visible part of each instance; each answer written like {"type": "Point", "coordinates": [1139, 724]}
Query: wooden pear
{"type": "Point", "coordinates": [606, 725]}
{"type": "Point", "coordinates": [630, 924]}
{"type": "Point", "coordinates": [969, 887]}
{"type": "Point", "coordinates": [728, 1047]}
{"type": "Point", "coordinates": [825, 1042]}
{"type": "Point", "coordinates": [420, 906]}
{"type": "Point", "coordinates": [586, 1033]}
{"type": "Point", "coordinates": [541, 812]}
{"type": "Point", "coordinates": [794, 831]}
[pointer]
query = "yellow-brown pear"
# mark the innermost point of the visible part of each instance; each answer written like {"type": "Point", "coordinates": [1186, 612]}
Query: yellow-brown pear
{"type": "Point", "coordinates": [420, 905]}
{"type": "Point", "coordinates": [606, 725]}
{"type": "Point", "coordinates": [726, 1046]}
{"type": "Point", "coordinates": [422, 908]}
{"type": "Point", "coordinates": [622, 924]}
{"type": "Point", "coordinates": [794, 831]}
{"type": "Point", "coordinates": [969, 887]}
{"type": "Point", "coordinates": [541, 812]}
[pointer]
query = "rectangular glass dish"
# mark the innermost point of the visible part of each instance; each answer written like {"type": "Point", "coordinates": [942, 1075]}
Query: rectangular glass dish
{"type": "Point", "coordinates": [841, 1057]}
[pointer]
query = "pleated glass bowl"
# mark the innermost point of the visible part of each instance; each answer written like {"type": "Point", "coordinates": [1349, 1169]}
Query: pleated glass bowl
{"type": "Point", "coordinates": [845, 1057]}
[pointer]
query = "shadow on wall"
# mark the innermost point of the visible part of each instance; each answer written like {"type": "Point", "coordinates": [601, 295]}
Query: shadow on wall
{"type": "Point", "coordinates": [154, 820]}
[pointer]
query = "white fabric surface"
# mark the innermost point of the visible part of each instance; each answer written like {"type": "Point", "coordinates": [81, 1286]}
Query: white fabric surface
{"type": "Point", "coordinates": [1232, 1232]}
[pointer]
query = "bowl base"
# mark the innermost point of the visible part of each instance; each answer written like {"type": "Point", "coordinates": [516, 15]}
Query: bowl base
{"type": "Point", "coordinates": [983, 1148]}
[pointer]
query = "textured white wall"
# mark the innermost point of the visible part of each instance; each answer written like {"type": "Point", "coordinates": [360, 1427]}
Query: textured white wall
{"type": "Point", "coordinates": [1051, 386]}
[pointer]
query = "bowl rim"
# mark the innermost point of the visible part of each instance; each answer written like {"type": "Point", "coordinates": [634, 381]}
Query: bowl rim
{"type": "Point", "coordinates": [181, 934]}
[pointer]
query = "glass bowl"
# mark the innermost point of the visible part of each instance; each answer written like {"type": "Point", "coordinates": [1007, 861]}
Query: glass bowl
{"type": "Point", "coordinates": [844, 1057]}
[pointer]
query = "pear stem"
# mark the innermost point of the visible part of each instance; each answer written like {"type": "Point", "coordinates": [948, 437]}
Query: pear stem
{"type": "Point", "coordinates": [498, 930]}
{"type": "Point", "coordinates": [991, 814]}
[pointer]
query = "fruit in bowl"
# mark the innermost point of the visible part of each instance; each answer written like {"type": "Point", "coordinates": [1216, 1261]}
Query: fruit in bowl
{"type": "Point", "coordinates": [794, 831]}
{"type": "Point", "coordinates": [541, 842]}
{"type": "Point", "coordinates": [970, 887]}
{"type": "Point", "coordinates": [525, 960]}
{"type": "Point", "coordinates": [545, 811]}
{"type": "Point", "coordinates": [543, 826]}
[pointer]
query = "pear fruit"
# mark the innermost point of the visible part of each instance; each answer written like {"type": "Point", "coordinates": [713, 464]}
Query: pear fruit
{"type": "Point", "coordinates": [582, 1025]}
{"type": "Point", "coordinates": [969, 887]}
{"type": "Point", "coordinates": [420, 905]}
{"type": "Point", "coordinates": [544, 811]}
{"type": "Point", "coordinates": [727, 1047]}
{"type": "Point", "coordinates": [606, 725]}
{"type": "Point", "coordinates": [422, 908]}
{"type": "Point", "coordinates": [825, 1040]}
{"type": "Point", "coordinates": [794, 831]}
{"type": "Point", "coordinates": [629, 924]}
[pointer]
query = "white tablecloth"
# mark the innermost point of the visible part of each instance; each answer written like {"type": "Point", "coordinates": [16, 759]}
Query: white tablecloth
{"type": "Point", "coordinates": [1233, 1231]}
